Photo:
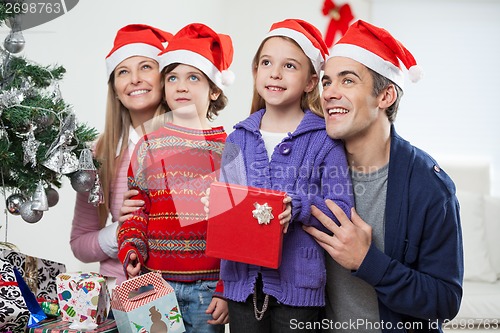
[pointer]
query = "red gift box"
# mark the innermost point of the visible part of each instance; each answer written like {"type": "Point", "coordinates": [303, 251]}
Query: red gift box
{"type": "Point", "coordinates": [243, 224]}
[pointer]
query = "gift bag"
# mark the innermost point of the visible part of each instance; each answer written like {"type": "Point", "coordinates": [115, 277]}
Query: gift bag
{"type": "Point", "coordinates": [243, 224]}
{"type": "Point", "coordinates": [83, 297]}
{"type": "Point", "coordinates": [39, 274]}
{"type": "Point", "coordinates": [14, 313]}
{"type": "Point", "coordinates": [146, 303]}
{"type": "Point", "coordinates": [18, 305]}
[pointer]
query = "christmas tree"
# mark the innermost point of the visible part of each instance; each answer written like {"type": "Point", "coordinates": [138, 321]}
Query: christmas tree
{"type": "Point", "coordinates": [40, 138]}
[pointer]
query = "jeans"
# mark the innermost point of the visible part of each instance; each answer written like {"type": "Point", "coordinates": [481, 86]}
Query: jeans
{"type": "Point", "coordinates": [278, 318]}
{"type": "Point", "coordinates": [194, 298]}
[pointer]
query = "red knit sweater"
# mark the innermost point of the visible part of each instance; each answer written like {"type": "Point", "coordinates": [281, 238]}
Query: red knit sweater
{"type": "Point", "coordinates": [172, 168]}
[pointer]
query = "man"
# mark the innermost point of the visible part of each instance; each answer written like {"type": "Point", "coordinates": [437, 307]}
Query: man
{"type": "Point", "coordinates": [398, 265]}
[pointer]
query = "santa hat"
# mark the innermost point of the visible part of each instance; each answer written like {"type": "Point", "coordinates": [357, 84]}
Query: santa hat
{"type": "Point", "coordinates": [136, 40]}
{"type": "Point", "coordinates": [199, 46]}
{"type": "Point", "coordinates": [306, 35]}
{"type": "Point", "coordinates": [376, 49]}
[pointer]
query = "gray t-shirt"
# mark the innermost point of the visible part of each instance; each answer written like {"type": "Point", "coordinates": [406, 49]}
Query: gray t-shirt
{"type": "Point", "coordinates": [351, 302]}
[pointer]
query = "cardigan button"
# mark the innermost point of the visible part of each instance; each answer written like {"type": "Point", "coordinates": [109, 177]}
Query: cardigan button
{"type": "Point", "coordinates": [437, 168]}
{"type": "Point", "coordinates": [284, 148]}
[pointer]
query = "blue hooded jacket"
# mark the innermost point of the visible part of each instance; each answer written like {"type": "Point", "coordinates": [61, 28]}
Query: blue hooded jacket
{"type": "Point", "coordinates": [418, 278]}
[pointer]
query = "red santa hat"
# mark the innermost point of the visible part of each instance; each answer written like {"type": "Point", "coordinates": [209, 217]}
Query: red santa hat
{"type": "Point", "coordinates": [136, 40]}
{"type": "Point", "coordinates": [306, 35]}
{"type": "Point", "coordinates": [376, 49]}
{"type": "Point", "coordinates": [199, 46]}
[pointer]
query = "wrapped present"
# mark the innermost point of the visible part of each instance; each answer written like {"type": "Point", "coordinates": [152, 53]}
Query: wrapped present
{"type": "Point", "coordinates": [83, 297]}
{"type": "Point", "coordinates": [18, 306]}
{"type": "Point", "coordinates": [61, 326]}
{"type": "Point", "coordinates": [243, 224]}
{"type": "Point", "coordinates": [51, 308]}
{"type": "Point", "coordinates": [146, 303]}
{"type": "Point", "coordinates": [14, 313]}
{"type": "Point", "coordinates": [39, 274]}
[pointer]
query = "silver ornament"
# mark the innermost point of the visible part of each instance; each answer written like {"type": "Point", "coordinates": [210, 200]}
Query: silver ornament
{"type": "Point", "coordinates": [83, 180]}
{"type": "Point", "coordinates": [46, 119]}
{"type": "Point", "coordinates": [14, 42]}
{"type": "Point", "coordinates": [14, 202]}
{"type": "Point", "coordinates": [85, 162]}
{"type": "Point", "coordinates": [96, 196]}
{"type": "Point", "coordinates": [39, 199]}
{"type": "Point", "coordinates": [11, 97]}
{"type": "Point", "coordinates": [29, 215]}
{"type": "Point", "coordinates": [30, 147]}
{"type": "Point", "coordinates": [60, 157]}
{"type": "Point", "coordinates": [52, 196]}
{"type": "Point", "coordinates": [54, 92]}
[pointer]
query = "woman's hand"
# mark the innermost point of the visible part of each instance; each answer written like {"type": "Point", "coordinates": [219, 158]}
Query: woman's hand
{"type": "Point", "coordinates": [129, 206]}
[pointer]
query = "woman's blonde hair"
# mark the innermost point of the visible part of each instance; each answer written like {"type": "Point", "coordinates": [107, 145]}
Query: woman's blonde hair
{"type": "Point", "coordinates": [309, 100]}
{"type": "Point", "coordinates": [116, 127]}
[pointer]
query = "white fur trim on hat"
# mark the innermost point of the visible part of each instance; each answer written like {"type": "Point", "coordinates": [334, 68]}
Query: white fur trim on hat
{"type": "Point", "coordinates": [130, 50]}
{"type": "Point", "coordinates": [193, 59]}
{"type": "Point", "coordinates": [307, 46]}
{"type": "Point", "coordinates": [370, 60]}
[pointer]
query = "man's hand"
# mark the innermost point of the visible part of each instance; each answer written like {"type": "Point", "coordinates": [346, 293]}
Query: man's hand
{"type": "Point", "coordinates": [350, 241]}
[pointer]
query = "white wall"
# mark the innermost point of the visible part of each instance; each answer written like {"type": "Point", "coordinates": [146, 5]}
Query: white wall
{"type": "Point", "coordinates": [451, 111]}
{"type": "Point", "coordinates": [454, 112]}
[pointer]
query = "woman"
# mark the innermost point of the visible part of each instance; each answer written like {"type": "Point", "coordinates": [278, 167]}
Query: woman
{"type": "Point", "coordinates": [134, 100]}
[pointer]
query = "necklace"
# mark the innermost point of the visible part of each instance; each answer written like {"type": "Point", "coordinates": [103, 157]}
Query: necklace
{"type": "Point", "coordinates": [259, 314]}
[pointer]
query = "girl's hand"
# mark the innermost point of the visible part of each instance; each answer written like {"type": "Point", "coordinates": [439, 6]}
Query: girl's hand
{"type": "Point", "coordinates": [134, 266]}
{"type": "Point", "coordinates": [129, 206]}
{"type": "Point", "coordinates": [286, 215]}
{"type": "Point", "coordinates": [219, 310]}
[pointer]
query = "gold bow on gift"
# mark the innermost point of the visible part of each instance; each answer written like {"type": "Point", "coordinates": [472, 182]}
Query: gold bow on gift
{"type": "Point", "coordinates": [31, 273]}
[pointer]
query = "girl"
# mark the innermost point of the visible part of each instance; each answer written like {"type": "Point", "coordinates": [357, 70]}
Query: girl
{"type": "Point", "coordinates": [283, 145]}
{"type": "Point", "coordinates": [134, 97]}
{"type": "Point", "coordinates": [171, 169]}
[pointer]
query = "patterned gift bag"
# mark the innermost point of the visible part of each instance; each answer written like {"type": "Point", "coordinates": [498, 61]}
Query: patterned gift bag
{"type": "Point", "coordinates": [39, 274]}
{"type": "Point", "coordinates": [14, 313]}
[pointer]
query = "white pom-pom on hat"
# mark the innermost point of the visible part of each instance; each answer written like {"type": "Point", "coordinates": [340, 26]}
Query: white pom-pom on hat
{"type": "Point", "coordinates": [415, 73]}
{"type": "Point", "coordinates": [228, 77]}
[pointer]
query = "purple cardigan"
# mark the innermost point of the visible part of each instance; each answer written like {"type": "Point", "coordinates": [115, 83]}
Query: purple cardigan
{"type": "Point", "coordinates": [310, 167]}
